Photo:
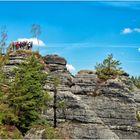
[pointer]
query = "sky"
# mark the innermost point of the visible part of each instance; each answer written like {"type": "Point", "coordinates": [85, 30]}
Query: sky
{"type": "Point", "coordinates": [82, 32]}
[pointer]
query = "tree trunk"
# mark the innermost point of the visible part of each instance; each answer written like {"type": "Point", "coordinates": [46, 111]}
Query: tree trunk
{"type": "Point", "coordinates": [54, 107]}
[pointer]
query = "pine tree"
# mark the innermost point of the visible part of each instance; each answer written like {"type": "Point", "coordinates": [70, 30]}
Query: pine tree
{"type": "Point", "coordinates": [136, 81]}
{"type": "Point", "coordinates": [109, 68]}
{"type": "Point", "coordinates": [26, 92]}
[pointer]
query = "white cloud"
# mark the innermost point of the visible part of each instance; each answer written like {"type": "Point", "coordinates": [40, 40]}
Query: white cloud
{"type": "Point", "coordinates": [70, 67]}
{"type": "Point", "coordinates": [137, 30]}
{"type": "Point", "coordinates": [36, 42]}
{"type": "Point", "coordinates": [139, 49]}
{"type": "Point", "coordinates": [127, 30]}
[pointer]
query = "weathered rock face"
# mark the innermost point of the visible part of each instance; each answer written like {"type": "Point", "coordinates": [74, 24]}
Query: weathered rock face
{"type": "Point", "coordinates": [117, 108]}
{"type": "Point", "coordinates": [55, 63]}
{"type": "Point", "coordinates": [57, 69]}
{"type": "Point", "coordinates": [36, 133]}
{"type": "Point", "coordinates": [85, 82]}
{"type": "Point", "coordinates": [93, 109]}
{"type": "Point", "coordinates": [55, 59]}
{"type": "Point", "coordinates": [13, 61]}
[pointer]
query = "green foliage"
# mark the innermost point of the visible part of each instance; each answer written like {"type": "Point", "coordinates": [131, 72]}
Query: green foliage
{"type": "Point", "coordinates": [1, 118]}
{"type": "Point", "coordinates": [51, 133]}
{"type": "Point", "coordinates": [56, 82]}
{"type": "Point", "coordinates": [22, 104]}
{"type": "Point", "coordinates": [2, 75]}
{"type": "Point", "coordinates": [46, 100]}
{"type": "Point", "coordinates": [9, 132]}
{"type": "Point", "coordinates": [61, 105]}
{"type": "Point", "coordinates": [109, 68]}
{"type": "Point", "coordinates": [136, 81]}
{"type": "Point", "coordinates": [40, 122]}
{"type": "Point", "coordinates": [26, 95]}
{"type": "Point", "coordinates": [7, 115]}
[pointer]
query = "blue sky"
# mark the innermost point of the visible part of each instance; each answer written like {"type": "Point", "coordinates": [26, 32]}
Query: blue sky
{"type": "Point", "coordinates": [82, 32]}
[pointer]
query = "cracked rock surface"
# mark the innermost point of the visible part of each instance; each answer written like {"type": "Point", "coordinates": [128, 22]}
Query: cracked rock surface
{"type": "Point", "coordinates": [93, 110]}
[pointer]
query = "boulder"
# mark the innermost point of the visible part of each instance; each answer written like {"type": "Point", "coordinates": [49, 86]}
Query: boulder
{"type": "Point", "coordinates": [54, 59]}
{"type": "Point", "coordinates": [36, 133]}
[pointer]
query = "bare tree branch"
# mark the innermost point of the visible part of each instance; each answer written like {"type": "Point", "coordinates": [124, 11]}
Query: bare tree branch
{"type": "Point", "coordinates": [3, 38]}
{"type": "Point", "coordinates": [36, 31]}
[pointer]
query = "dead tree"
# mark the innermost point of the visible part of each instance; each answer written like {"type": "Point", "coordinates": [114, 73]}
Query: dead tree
{"type": "Point", "coordinates": [3, 39]}
{"type": "Point", "coordinates": [36, 31]}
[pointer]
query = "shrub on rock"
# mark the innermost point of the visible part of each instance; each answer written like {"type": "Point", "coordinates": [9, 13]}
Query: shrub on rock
{"type": "Point", "coordinates": [109, 68]}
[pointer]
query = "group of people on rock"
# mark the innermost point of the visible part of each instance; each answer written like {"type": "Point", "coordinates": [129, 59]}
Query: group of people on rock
{"type": "Point", "coordinates": [25, 45]}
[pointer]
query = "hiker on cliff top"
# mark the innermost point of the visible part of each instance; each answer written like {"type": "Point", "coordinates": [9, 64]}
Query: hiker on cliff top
{"type": "Point", "coordinates": [29, 46]}
{"type": "Point", "coordinates": [20, 45]}
{"type": "Point", "coordinates": [17, 45]}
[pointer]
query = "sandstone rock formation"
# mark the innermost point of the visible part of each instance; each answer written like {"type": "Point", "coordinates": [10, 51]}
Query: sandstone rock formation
{"type": "Point", "coordinates": [36, 133]}
{"type": "Point", "coordinates": [94, 109]}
